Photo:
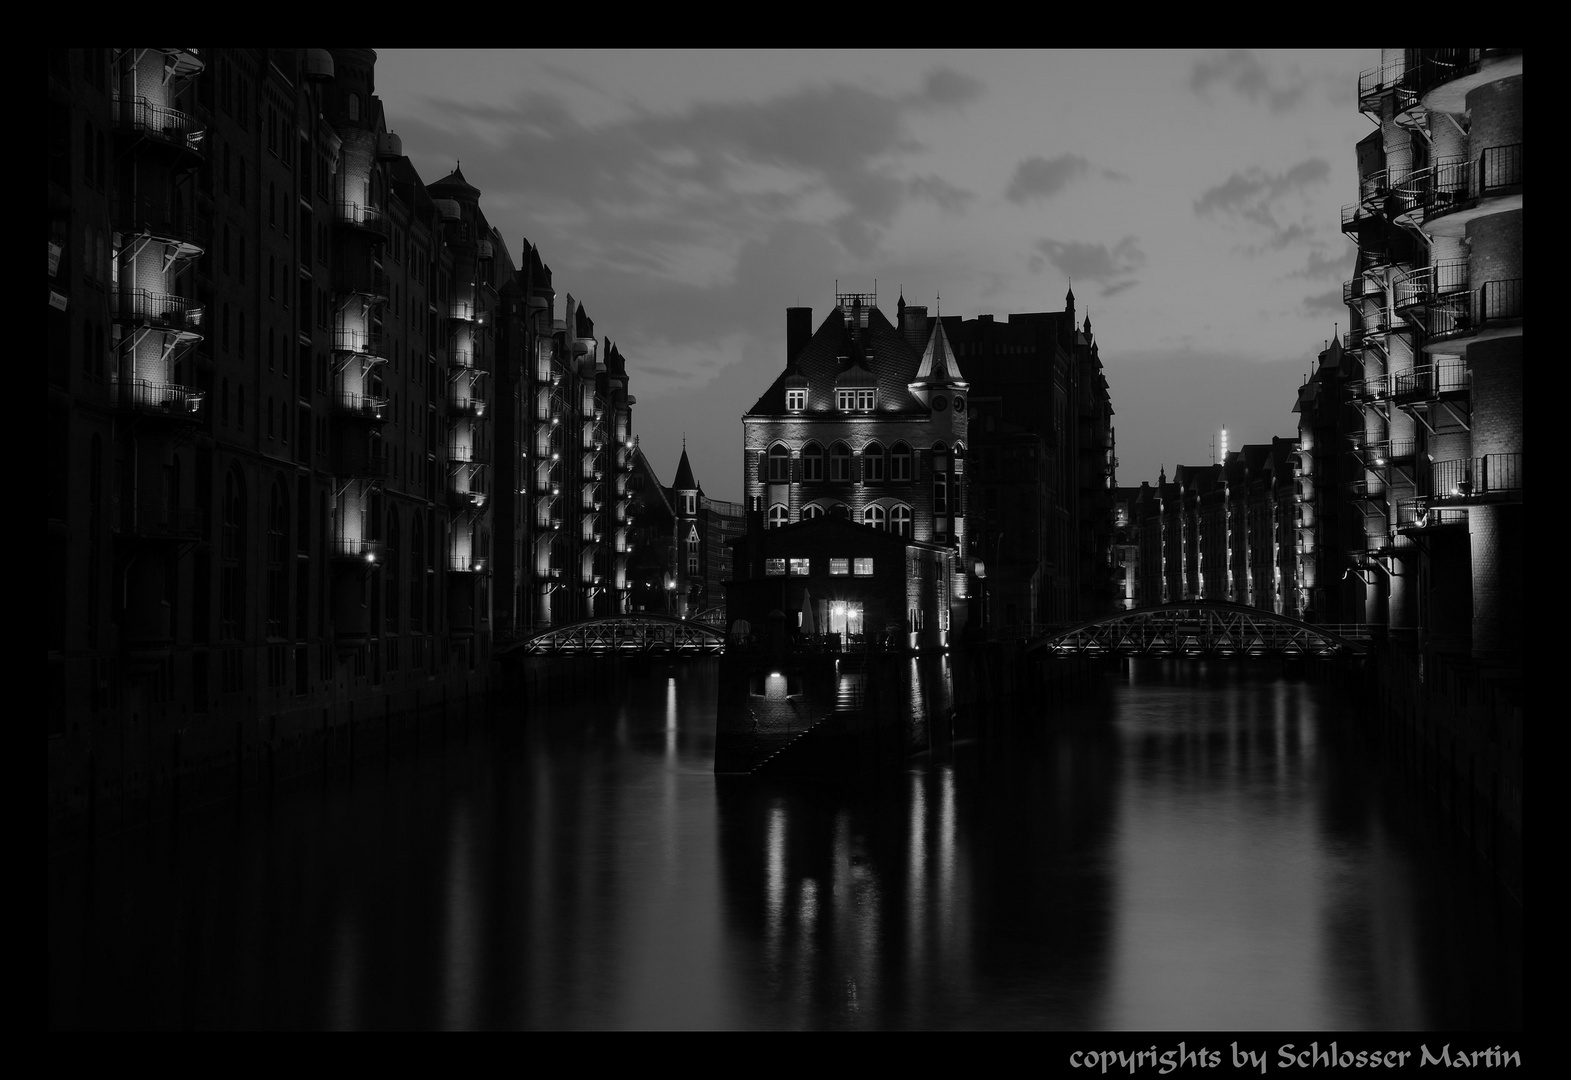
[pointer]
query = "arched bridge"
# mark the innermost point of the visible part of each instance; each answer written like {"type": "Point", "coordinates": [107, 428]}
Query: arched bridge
{"type": "Point", "coordinates": [1201, 629]}
{"type": "Point", "coordinates": [642, 633]}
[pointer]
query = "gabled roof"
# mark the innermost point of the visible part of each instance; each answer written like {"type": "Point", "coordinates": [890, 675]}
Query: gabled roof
{"type": "Point", "coordinates": [889, 361]}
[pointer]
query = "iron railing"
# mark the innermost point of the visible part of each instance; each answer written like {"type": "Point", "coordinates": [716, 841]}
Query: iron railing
{"type": "Point", "coordinates": [179, 129]}
{"type": "Point", "coordinates": [161, 398]}
{"type": "Point", "coordinates": [161, 309]}
{"type": "Point", "coordinates": [371, 551]}
{"type": "Point", "coordinates": [372, 219]}
{"type": "Point", "coordinates": [1431, 380]}
{"type": "Point", "coordinates": [359, 405]}
{"type": "Point", "coordinates": [369, 342]}
{"type": "Point", "coordinates": [1476, 477]}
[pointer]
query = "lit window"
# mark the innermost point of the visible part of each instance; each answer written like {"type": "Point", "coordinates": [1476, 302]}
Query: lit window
{"type": "Point", "coordinates": [864, 567]}
{"type": "Point", "coordinates": [775, 567]}
{"type": "Point", "coordinates": [778, 515]}
{"type": "Point", "coordinates": [845, 400]}
{"type": "Point", "coordinates": [940, 493]}
{"type": "Point", "coordinates": [811, 511]}
{"type": "Point", "coordinates": [900, 521]}
{"type": "Point", "coordinates": [796, 400]}
{"type": "Point", "coordinates": [874, 516]}
{"type": "Point", "coordinates": [864, 400]}
{"type": "Point", "coordinates": [839, 566]}
{"type": "Point", "coordinates": [798, 567]}
{"type": "Point", "coordinates": [692, 564]}
{"type": "Point", "coordinates": [690, 504]}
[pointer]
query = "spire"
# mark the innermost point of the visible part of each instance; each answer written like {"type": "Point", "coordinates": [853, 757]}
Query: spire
{"type": "Point", "coordinates": [937, 358]}
{"type": "Point", "coordinates": [1069, 297]}
{"type": "Point", "coordinates": [684, 472]}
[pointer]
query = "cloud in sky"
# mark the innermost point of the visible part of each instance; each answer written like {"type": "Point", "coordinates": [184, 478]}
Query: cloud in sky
{"type": "Point", "coordinates": [1256, 197]}
{"type": "Point", "coordinates": [1248, 76]}
{"type": "Point", "coordinates": [1326, 304]}
{"type": "Point", "coordinates": [1041, 178]}
{"type": "Point", "coordinates": [1092, 262]}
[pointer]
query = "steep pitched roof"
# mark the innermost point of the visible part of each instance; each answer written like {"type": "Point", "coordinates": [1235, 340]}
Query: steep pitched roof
{"type": "Point", "coordinates": [684, 474]}
{"type": "Point", "coordinates": [888, 359]}
{"type": "Point", "coordinates": [938, 364]}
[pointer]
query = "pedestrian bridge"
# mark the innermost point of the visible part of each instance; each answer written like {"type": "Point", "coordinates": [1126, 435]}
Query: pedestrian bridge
{"type": "Point", "coordinates": [619, 634]}
{"type": "Point", "coordinates": [1202, 629]}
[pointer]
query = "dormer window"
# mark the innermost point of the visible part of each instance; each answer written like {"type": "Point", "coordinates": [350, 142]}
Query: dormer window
{"type": "Point", "coordinates": [855, 400]}
{"type": "Point", "coordinates": [796, 400]}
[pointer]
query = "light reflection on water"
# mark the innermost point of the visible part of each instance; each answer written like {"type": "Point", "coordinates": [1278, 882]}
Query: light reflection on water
{"type": "Point", "coordinates": [1193, 849]}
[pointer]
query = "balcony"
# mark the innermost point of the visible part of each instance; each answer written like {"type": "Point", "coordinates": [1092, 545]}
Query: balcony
{"type": "Point", "coordinates": [1492, 310]}
{"type": "Point", "coordinates": [1443, 77]}
{"type": "Point", "coordinates": [465, 564]}
{"type": "Point", "coordinates": [165, 220]}
{"type": "Point", "coordinates": [159, 311]}
{"type": "Point", "coordinates": [1465, 188]}
{"type": "Point", "coordinates": [358, 549]}
{"type": "Point", "coordinates": [371, 220]}
{"type": "Point", "coordinates": [1375, 83]}
{"type": "Point", "coordinates": [366, 342]}
{"type": "Point", "coordinates": [1362, 288]}
{"type": "Point", "coordinates": [359, 406]}
{"type": "Point", "coordinates": [158, 399]}
{"type": "Point", "coordinates": [169, 127]}
{"type": "Point", "coordinates": [466, 501]}
{"type": "Point", "coordinates": [1493, 478]}
{"type": "Point", "coordinates": [1430, 382]}
{"type": "Point", "coordinates": [1421, 286]}
{"type": "Point", "coordinates": [465, 404]}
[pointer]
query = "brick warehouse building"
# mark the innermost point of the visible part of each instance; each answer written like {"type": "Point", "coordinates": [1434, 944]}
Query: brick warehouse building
{"type": "Point", "coordinates": [1436, 330]}
{"type": "Point", "coordinates": [993, 439]}
{"type": "Point", "coordinates": [316, 437]}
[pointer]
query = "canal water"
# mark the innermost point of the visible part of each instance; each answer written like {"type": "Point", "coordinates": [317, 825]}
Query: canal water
{"type": "Point", "coordinates": [1192, 847]}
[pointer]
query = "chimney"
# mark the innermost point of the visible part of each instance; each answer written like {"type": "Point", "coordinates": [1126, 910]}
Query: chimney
{"type": "Point", "coordinates": [913, 325]}
{"type": "Point", "coordinates": [799, 331]}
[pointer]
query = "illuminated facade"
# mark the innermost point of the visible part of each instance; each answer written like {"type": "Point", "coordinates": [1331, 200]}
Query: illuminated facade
{"type": "Point", "coordinates": [1222, 532]}
{"type": "Point", "coordinates": [867, 422]}
{"type": "Point", "coordinates": [304, 408]}
{"type": "Point", "coordinates": [1436, 306]}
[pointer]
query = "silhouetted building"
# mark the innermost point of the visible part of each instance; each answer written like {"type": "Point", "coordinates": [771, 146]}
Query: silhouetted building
{"type": "Point", "coordinates": [303, 408]}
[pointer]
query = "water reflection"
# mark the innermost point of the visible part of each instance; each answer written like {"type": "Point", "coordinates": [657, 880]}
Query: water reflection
{"type": "Point", "coordinates": [1190, 848]}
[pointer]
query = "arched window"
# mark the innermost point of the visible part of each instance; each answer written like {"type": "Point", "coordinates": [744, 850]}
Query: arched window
{"type": "Point", "coordinates": [874, 516]}
{"type": "Point", "coordinates": [900, 463]}
{"type": "Point", "coordinates": [812, 463]}
{"type": "Point", "coordinates": [354, 106]}
{"type": "Point", "coordinates": [900, 522]}
{"type": "Point", "coordinates": [779, 463]}
{"type": "Point", "coordinates": [873, 463]}
{"type": "Point", "coordinates": [840, 463]}
{"type": "Point", "coordinates": [778, 515]}
{"type": "Point", "coordinates": [811, 511]}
